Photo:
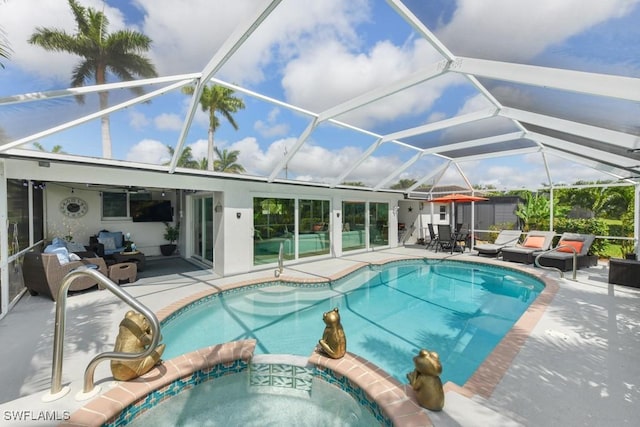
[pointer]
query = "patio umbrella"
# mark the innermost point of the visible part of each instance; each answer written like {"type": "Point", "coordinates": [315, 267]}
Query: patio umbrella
{"type": "Point", "coordinates": [457, 198]}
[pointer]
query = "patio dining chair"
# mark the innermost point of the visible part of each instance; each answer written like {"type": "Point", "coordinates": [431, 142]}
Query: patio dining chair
{"type": "Point", "coordinates": [433, 237]}
{"type": "Point", "coordinates": [446, 239]}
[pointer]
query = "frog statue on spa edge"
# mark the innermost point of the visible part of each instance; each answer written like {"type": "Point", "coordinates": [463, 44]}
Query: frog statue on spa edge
{"type": "Point", "coordinates": [134, 336]}
{"type": "Point", "coordinates": [425, 380]}
{"type": "Point", "coordinates": [333, 342]}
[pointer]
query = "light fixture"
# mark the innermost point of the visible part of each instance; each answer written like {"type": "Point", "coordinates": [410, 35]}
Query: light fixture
{"type": "Point", "coordinates": [338, 214]}
{"type": "Point", "coordinates": [25, 183]}
{"type": "Point", "coordinates": [410, 208]}
{"type": "Point", "coordinates": [218, 208]}
{"type": "Point", "coordinates": [72, 191]}
{"type": "Point", "coordinates": [238, 215]}
{"type": "Point", "coordinates": [162, 193]}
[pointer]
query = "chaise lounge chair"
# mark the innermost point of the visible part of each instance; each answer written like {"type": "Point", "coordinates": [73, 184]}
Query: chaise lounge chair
{"type": "Point", "coordinates": [534, 243]}
{"type": "Point", "coordinates": [506, 238]}
{"type": "Point", "coordinates": [561, 257]}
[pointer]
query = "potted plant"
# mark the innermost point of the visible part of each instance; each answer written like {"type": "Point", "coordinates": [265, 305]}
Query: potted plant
{"type": "Point", "coordinates": [171, 234]}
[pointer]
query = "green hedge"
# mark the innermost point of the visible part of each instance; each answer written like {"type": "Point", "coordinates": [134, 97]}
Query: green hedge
{"type": "Point", "coordinates": [585, 226]}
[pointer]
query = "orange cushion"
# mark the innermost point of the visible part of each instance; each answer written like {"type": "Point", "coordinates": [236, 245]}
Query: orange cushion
{"type": "Point", "coordinates": [533, 242]}
{"type": "Point", "coordinates": [572, 243]}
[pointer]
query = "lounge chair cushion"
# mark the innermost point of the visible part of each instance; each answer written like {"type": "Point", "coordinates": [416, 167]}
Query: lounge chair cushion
{"type": "Point", "coordinates": [113, 242]}
{"type": "Point", "coordinates": [533, 242]}
{"type": "Point", "coordinates": [566, 245]}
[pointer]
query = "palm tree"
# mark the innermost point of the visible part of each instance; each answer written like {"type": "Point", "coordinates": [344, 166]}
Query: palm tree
{"type": "Point", "coordinates": [118, 53]}
{"type": "Point", "coordinates": [217, 99]}
{"type": "Point", "coordinates": [5, 49]}
{"type": "Point", "coordinates": [55, 149]}
{"type": "Point", "coordinates": [227, 161]}
{"type": "Point", "coordinates": [185, 160]}
{"type": "Point", "coordinates": [403, 184]}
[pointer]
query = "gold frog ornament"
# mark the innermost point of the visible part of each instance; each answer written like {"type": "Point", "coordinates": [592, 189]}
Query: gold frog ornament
{"type": "Point", "coordinates": [425, 380]}
{"type": "Point", "coordinates": [333, 342]}
{"type": "Point", "coordinates": [134, 336]}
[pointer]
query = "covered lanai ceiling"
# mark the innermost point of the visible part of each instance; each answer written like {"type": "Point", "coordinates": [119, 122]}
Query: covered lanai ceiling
{"type": "Point", "coordinates": [493, 93]}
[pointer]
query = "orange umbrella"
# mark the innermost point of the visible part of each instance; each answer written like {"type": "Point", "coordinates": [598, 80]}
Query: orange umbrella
{"type": "Point", "coordinates": [457, 198]}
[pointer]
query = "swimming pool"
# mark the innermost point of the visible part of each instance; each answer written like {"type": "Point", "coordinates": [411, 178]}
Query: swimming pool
{"type": "Point", "coordinates": [459, 309]}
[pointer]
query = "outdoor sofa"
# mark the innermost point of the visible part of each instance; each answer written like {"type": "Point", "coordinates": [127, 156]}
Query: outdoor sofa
{"type": "Point", "coordinates": [43, 273]}
{"type": "Point", "coordinates": [535, 242]}
{"type": "Point", "coordinates": [561, 257]}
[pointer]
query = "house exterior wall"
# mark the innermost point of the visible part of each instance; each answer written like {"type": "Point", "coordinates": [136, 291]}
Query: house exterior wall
{"type": "Point", "coordinates": [234, 233]}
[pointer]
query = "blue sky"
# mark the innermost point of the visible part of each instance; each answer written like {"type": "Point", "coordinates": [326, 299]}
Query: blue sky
{"type": "Point", "coordinates": [317, 55]}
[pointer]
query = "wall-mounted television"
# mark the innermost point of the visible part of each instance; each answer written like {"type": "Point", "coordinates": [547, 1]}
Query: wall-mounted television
{"type": "Point", "coordinates": [151, 210]}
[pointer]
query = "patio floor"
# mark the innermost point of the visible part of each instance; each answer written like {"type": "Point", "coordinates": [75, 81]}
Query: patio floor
{"type": "Point", "coordinates": [577, 367]}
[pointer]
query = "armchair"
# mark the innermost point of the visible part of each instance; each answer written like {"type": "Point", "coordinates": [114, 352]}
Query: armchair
{"type": "Point", "coordinates": [107, 243]}
{"type": "Point", "coordinates": [43, 273]}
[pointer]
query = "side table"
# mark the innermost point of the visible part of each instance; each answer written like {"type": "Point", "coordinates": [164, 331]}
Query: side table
{"type": "Point", "coordinates": [624, 272]}
{"type": "Point", "coordinates": [136, 256]}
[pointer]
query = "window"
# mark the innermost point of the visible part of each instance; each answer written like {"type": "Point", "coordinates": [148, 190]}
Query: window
{"type": "Point", "coordinates": [378, 224]}
{"type": "Point", "coordinates": [273, 224]}
{"type": "Point", "coordinates": [313, 227]}
{"type": "Point", "coordinates": [353, 226]}
{"type": "Point", "coordinates": [115, 205]}
{"type": "Point", "coordinates": [443, 213]}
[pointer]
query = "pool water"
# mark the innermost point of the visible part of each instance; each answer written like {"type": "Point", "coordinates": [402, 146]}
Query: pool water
{"type": "Point", "coordinates": [460, 310]}
{"type": "Point", "coordinates": [230, 401]}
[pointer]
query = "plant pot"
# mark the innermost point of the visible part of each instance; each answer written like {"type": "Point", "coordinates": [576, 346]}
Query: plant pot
{"type": "Point", "coordinates": [630, 256]}
{"type": "Point", "coordinates": [167, 250]}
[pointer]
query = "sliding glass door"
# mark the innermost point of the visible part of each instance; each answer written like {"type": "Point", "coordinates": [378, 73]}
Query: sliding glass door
{"type": "Point", "coordinates": [203, 232]}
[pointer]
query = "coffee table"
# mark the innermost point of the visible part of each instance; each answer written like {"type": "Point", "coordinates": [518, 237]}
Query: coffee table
{"type": "Point", "coordinates": [135, 256]}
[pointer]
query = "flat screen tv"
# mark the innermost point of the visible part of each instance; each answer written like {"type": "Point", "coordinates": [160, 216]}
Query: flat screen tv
{"type": "Point", "coordinates": [151, 210]}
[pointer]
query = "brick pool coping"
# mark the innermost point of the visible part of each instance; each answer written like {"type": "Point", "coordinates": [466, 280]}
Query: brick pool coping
{"type": "Point", "coordinates": [396, 400]}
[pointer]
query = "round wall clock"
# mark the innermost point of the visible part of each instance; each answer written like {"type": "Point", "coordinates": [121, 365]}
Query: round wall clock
{"type": "Point", "coordinates": [73, 207]}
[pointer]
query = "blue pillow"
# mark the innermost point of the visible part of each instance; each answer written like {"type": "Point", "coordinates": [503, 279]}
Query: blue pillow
{"type": "Point", "coordinates": [60, 252]}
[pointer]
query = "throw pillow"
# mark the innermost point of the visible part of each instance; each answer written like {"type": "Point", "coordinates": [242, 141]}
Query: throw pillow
{"type": "Point", "coordinates": [533, 242]}
{"type": "Point", "coordinates": [61, 253]}
{"type": "Point", "coordinates": [108, 242]}
{"type": "Point", "coordinates": [568, 244]}
{"type": "Point", "coordinates": [75, 247]}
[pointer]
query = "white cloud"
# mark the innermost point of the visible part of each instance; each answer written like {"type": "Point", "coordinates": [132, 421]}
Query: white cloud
{"type": "Point", "coordinates": [271, 128]}
{"type": "Point", "coordinates": [522, 29]}
{"type": "Point", "coordinates": [312, 162]}
{"type": "Point", "coordinates": [168, 121]}
{"type": "Point", "coordinates": [339, 74]}
{"type": "Point", "coordinates": [148, 151]}
{"type": "Point", "coordinates": [138, 120]}
{"type": "Point", "coordinates": [199, 149]}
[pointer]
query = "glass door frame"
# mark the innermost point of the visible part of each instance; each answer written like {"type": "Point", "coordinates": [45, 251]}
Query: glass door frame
{"type": "Point", "coordinates": [197, 210]}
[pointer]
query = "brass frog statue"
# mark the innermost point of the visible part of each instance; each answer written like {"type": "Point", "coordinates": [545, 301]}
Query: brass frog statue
{"type": "Point", "coordinates": [333, 342]}
{"type": "Point", "coordinates": [134, 336]}
{"type": "Point", "coordinates": [425, 380]}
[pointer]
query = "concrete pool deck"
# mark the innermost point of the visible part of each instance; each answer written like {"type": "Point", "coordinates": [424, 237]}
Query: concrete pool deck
{"type": "Point", "coordinates": [576, 366]}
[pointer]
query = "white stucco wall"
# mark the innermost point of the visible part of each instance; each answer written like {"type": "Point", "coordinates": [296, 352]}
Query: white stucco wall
{"type": "Point", "coordinates": [234, 235]}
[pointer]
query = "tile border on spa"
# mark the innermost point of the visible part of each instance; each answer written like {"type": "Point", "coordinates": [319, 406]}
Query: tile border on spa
{"type": "Point", "coordinates": [369, 386]}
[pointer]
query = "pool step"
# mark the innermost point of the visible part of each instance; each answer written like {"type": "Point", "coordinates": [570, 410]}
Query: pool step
{"type": "Point", "coordinates": [268, 301]}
